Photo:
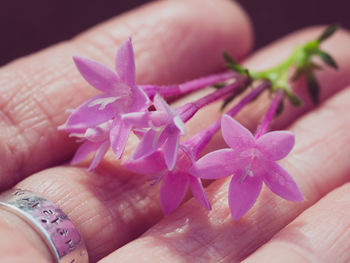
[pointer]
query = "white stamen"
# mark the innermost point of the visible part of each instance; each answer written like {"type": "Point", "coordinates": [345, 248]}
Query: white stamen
{"type": "Point", "coordinates": [103, 102]}
{"type": "Point", "coordinates": [247, 172]}
{"type": "Point", "coordinates": [78, 135]}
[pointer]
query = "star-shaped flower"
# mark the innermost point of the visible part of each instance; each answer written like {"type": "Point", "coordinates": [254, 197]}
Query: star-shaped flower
{"type": "Point", "coordinates": [120, 95]}
{"type": "Point", "coordinates": [96, 140]}
{"type": "Point", "coordinates": [251, 161]}
{"type": "Point", "coordinates": [174, 183]}
{"type": "Point", "coordinates": [164, 128]}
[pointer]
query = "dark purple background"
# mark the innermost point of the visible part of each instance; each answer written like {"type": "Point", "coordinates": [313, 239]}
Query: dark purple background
{"type": "Point", "coordinates": [29, 25]}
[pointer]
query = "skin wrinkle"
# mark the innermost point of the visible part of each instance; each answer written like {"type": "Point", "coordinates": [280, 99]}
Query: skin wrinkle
{"type": "Point", "coordinates": [338, 240]}
{"type": "Point", "coordinates": [330, 110]}
{"type": "Point", "coordinates": [10, 149]}
{"type": "Point", "coordinates": [340, 222]}
{"type": "Point", "coordinates": [197, 246]}
{"type": "Point", "coordinates": [94, 48]}
{"type": "Point", "coordinates": [38, 116]}
{"type": "Point", "coordinates": [304, 255]}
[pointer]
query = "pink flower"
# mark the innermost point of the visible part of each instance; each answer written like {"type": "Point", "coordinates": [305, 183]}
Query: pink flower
{"type": "Point", "coordinates": [251, 161]}
{"type": "Point", "coordinates": [164, 128]}
{"type": "Point", "coordinates": [174, 183]}
{"type": "Point", "coordinates": [95, 140]}
{"type": "Point", "coordinates": [120, 95]}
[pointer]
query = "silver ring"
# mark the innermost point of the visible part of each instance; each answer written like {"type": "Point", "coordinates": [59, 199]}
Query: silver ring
{"type": "Point", "coordinates": [47, 219]}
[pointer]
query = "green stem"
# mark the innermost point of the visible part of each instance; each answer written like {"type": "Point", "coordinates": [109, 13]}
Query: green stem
{"type": "Point", "coordinates": [278, 75]}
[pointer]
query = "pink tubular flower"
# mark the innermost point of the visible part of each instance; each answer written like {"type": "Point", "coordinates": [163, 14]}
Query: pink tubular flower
{"type": "Point", "coordinates": [251, 161]}
{"type": "Point", "coordinates": [164, 128]}
{"type": "Point", "coordinates": [120, 95]}
{"type": "Point", "coordinates": [174, 183]}
{"type": "Point", "coordinates": [96, 140]}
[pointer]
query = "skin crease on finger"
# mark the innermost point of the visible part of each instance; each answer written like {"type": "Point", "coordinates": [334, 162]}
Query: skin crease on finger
{"type": "Point", "coordinates": [320, 234]}
{"type": "Point", "coordinates": [192, 234]}
{"type": "Point", "coordinates": [111, 209]}
{"type": "Point", "coordinates": [168, 38]}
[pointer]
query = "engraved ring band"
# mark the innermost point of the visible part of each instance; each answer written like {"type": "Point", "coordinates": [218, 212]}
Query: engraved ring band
{"type": "Point", "coordinates": [47, 219]}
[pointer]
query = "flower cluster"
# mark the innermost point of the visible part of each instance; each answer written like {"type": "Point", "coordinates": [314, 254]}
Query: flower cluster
{"type": "Point", "coordinates": [107, 119]}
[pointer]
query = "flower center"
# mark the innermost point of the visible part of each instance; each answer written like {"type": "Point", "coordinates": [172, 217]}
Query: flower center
{"type": "Point", "coordinates": [251, 153]}
{"type": "Point", "coordinates": [249, 156]}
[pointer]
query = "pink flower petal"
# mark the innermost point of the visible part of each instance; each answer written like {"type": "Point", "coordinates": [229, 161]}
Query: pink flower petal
{"type": "Point", "coordinates": [243, 194]}
{"type": "Point", "coordinates": [98, 133]}
{"type": "Point", "coordinates": [125, 63]}
{"type": "Point", "coordinates": [145, 119]}
{"type": "Point", "coordinates": [161, 105]}
{"type": "Point", "coordinates": [98, 75]}
{"type": "Point", "coordinates": [276, 145]}
{"type": "Point", "coordinates": [281, 183]}
{"type": "Point", "coordinates": [139, 132]}
{"type": "Point", "coordinates": [149, 165]}
{"type": "Point", "coordinates": [217, 164]}
{"type": "Point", "coordinates": [140, 100]}
{"type": "Point", "coordinates": [84, 151]}
{"type": "Point", "coordinates": [235, 135]}
{"type": "Point", "coordinates": [198, 192]}
{"type": "Point", "coordinates": [148, 144]}
{"type": "Point", "coordinates": [86, 116]}
{"type": "Point", "coordinates": [173, 191]}
{"type": "Point", "coordinates": [171, 149]}
{"type": "Point", "coordinates": [100, 153]}
{"type": "Point", "coordinates": [119, 135]}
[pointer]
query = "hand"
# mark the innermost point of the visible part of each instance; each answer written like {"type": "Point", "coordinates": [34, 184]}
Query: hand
{"type": "Point", "coordinates": [175, 41]}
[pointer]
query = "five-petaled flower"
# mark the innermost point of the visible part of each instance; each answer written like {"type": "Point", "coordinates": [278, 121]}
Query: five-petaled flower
{"type": "Point", "coordinates": [164, 127]}
{"type": "Point", "coordinates": [251, 161]}
{"type": "Point", "coordinates": [120, 95]}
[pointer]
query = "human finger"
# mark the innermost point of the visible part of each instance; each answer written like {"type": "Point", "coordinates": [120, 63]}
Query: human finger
{"type": "Point", "coordinates": [319, 234]}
